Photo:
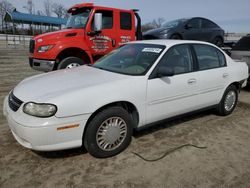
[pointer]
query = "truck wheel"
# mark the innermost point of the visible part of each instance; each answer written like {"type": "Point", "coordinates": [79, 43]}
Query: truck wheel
{"type": "Point", "coordinates": [70, 62]}
{"type": "Point", "coordinates": [228, 101]}
{"type": "Point", "coordinates": [108, 133]}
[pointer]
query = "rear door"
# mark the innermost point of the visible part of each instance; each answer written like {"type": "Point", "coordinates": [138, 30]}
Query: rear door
{"type": "Point", "coordinates": [193, 29]}
{"type": "Point", "coordinates": [126, 29]}
{"type": "Point", "coordinates": [170, 96]}
{"type": "Point", "coordinates": [213, 74]}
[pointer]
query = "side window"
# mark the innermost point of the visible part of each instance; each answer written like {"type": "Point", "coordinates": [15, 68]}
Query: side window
{"type": "Point", "coordinates": [195, 23]}
{"type": "Point", "coordinates": [207, 24]}
{"type": "Point", "coordinates": [178, 58]}
{"type": "Point", "coordinates": [207, 57]}
{"type": "Point", "coordinates": [125, 20]}
{"type": "Point", "coordinates": [107, 19]}
{"type": "Point", "coordinates": [221, 59]}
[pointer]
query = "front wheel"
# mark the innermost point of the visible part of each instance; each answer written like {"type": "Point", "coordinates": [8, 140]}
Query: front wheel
{"type": "Point", "coordinates": [70, 62]}
{"type": "Point", "coordinates": [109, 132]}
{"type": "Point", "coordinates": [228, 101]}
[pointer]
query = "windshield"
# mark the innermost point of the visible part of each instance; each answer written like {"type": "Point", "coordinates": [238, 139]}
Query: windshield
{"type": "Point", "coordinates": [173, 23]}
{"type": "Point", "coordinates": [78, 19]}
{"type": "Point", "coordinates": [131, 59]}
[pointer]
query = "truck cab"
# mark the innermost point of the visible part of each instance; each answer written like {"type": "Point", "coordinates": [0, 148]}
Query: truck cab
{"type": "Point", "coordinates": [91, 32]}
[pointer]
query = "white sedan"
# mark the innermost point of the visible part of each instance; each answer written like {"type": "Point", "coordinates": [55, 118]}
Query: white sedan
{"type": "Point", "coordinates": [139, 84]}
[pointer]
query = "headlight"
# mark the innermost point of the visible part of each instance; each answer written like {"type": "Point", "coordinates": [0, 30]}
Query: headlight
{"type": "Point", "coordinates": [164, 32]}
{"type": "Point", "coordinates": [39, 110]}
{"type": "Point", "coordinates": [44, 48]}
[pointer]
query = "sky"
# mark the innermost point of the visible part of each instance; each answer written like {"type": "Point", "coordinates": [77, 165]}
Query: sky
{"type": "Point", "coordinates": [231, 15]}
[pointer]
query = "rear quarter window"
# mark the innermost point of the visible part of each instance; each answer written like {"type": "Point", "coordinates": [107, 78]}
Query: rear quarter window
{"type": "Point", "coordinates": [209, 57]}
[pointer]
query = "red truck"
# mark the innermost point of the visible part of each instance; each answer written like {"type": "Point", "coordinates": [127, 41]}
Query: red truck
{"type": "Point", "coordinates": [91, 32]}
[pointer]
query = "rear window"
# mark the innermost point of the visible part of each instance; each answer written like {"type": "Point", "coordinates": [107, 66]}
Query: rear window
{"type": "Point", "coordinates": [125, 21]}
{"type": "Point", "coordinates": [243, 44]}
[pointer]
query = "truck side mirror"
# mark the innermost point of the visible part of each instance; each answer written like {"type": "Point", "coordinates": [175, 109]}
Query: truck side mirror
{"type": "Point", "coordinates": [98, 22]}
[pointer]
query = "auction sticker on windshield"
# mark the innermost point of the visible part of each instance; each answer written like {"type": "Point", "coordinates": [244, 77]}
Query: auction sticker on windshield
{"type": "Point", "coordinates": [154, 50]}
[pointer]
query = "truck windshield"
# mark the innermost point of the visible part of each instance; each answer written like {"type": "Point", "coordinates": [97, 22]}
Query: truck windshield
{"type": "Point", "coordinates": [131, 59]}
{"type": "Point", "coordinates": [78, 19]}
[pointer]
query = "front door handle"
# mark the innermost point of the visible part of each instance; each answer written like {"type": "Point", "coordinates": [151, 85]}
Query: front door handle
{"type": "Point", "coordinates": [113, 42]}
{"type": "Point", "coordinates": [191, 81]}
{"type": "Point", "coordinates": [225, 75]}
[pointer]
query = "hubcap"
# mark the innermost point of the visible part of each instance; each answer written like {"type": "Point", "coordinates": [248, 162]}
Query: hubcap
{"type": "Point", "coordinates": [111, 133]}
{"type": "Point", "coordinates": [230, 100]}
{"type": "Point", "coordinates": [72, 65]}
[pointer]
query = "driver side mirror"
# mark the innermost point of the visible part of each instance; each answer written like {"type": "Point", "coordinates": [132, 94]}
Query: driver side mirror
{"type": "Point", "coordinates": [165, 72]}
{"type": "Point", "coordinates": [98, 22]}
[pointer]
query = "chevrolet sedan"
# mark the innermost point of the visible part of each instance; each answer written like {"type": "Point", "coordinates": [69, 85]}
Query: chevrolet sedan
{"type": "Point", "coordinates": [139, 84]}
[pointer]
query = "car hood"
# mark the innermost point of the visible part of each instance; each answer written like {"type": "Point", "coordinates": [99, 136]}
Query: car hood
{"type": "Point", "coordinates": [156, 31]}
{"type": "Point", "coordinates": [44, 87]}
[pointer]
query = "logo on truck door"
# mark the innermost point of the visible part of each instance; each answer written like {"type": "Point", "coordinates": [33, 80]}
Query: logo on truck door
{"type": "Point", "coordinates": [100, 43]}
{"type": "Point", "coordinates": [125, 39]}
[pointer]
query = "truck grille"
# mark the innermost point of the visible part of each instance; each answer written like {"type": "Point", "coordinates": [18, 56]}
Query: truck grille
{"type": "Point", "coordinates": [14, 102]}
{"type": "Point", "coordinates": [32, 46]}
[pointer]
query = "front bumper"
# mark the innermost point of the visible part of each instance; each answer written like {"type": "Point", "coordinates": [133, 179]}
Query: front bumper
{"type": "Point", "coordinates": [41, 64]}
{"type": "Point", "coordinates": [45, 134]}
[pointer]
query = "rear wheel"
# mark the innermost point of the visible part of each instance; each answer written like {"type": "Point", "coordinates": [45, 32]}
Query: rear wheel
{"type": "Point", "coordinates": [218, 41]}
{"type": "Point", "coordinates": [109, 132]}
{"type": "Point", "coordinates": [70, 62]}
{"type": "Point", "coordinates": [228, 101]}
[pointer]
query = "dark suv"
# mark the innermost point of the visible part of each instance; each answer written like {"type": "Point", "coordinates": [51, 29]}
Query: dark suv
{"type": "Point", "coordinates": [241, 51]}
{"type": "Point", "coordinates": [188, 29]}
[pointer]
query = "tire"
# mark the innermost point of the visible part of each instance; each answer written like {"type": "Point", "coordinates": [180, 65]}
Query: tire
{"type": "Point", "coordinates": [228, 101]}
{"type": "Point", "coordinates": [70, 62]}
{"type": "Point", "coordinates": [218, 41]}
{"type": "Point", "coordinates": [108, 133]}
{"type": "Point", "coordinates": [175, 36]}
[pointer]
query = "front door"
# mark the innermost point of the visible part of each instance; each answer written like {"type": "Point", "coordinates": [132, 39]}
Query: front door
{"type": "Point", "coordinates": [104, 42]}
{"type": "Point", "coordinates": [174, 95]}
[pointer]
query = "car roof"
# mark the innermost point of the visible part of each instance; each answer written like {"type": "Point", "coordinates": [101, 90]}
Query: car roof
{"type": "Point", "coordinates": [170, 42]}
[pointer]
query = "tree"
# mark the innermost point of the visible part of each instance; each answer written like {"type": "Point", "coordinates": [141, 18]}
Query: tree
{"type": "Point", "coordinates": [59, 10]}
{"type": "Point", "coordinates": [4, 6]}
{"type": "Point", "coordinates": [157, 23]}
{"type": "Point", "coordinates": [47, 7]}
{"type": "Point", "coordinates": [29, 7]}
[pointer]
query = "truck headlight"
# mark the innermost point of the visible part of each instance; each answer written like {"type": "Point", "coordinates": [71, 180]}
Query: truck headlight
{"type": "Point", "coordinates": [44, 48]}
{"type": "Point", "coordinates": [39, 110]}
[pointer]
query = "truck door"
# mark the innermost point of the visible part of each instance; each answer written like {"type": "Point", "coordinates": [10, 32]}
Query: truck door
{"type": "Point", "coordinates": [104, 42]}
{"type": "Point", "coordinates": [126, 29]}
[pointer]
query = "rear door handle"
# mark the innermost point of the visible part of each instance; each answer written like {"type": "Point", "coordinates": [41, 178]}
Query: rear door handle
{"type": "Point", "coordinates": [225, 75]}
{"type": "Point", "coordinates": [191, 81]}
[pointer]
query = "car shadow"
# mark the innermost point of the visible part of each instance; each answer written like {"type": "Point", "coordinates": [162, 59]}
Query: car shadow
{"type": "Point", "coordinates": [172, 122]}
{"type": "Point", "coordinates": [62, 153]}
{"type": "Point", "coordinates": [136, 134]}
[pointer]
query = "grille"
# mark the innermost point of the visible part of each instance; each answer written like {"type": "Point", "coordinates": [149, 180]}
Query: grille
{"type": "Point", "coordinates": [32, 46]}
{"type": "Point", "coordinates": [14, 102]}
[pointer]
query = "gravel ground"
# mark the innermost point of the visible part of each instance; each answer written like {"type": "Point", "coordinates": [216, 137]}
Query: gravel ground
{"type": "Point", "coordinates": [224, 163]}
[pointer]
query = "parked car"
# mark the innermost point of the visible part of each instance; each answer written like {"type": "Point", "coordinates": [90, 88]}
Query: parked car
{"type": "Point", "coordinates": [241, 51]}
{"type": "Point", "coordinates": [139, 84]}
{"type": "Point", "coordinates": [188, 29]}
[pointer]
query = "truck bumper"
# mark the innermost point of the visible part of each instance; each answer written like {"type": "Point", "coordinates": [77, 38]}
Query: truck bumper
{"type": "Point", "coordinates": [41, 64]}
